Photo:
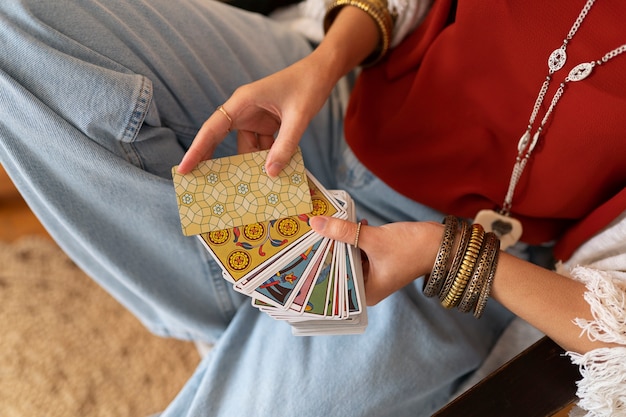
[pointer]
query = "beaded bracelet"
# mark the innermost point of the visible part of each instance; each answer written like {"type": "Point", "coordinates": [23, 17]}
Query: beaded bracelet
{"type": "Point", "coordinates": [377, 10]}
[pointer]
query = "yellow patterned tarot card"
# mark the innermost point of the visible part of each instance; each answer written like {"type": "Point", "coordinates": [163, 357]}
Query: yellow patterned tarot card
{"type": "Point", "coordinates": [244, 250]}
{"type": "Point", "coordinates": [234, 191]}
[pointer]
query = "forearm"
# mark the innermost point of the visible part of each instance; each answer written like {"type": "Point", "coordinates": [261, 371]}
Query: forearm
{"type": "Point", "coordinates": [549, 301]}
{"type": "Point", "coordinates": [555, 303]}
{"type": "Point", "coordinates": [351, 38]}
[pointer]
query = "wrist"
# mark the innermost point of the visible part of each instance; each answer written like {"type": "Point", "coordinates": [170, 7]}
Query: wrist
{"type": "Point", "coordinates": [432, 233]}
{"type": "Point", "coordinates": [464, 267]}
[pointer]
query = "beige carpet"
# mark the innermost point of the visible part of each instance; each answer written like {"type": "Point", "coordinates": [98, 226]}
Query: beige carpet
{"type": "Point", "coordinates": [68, 349]}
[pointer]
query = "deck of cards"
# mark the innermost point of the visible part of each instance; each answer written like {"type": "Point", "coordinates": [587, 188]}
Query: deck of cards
{"type": "Point", "coordinates": [257, 229]}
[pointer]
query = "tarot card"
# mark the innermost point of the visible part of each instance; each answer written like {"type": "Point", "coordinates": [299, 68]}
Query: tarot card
{"type": "Point", "coordinates": [333, 298]}
{"type": "Point", "coordinates": [234, 191]}
{"type": "Point", "coordinates": [301, 294]}
{"type": "Point", "coordinates": [300, 301]}
{"type": "Point", "coordinates": [353, 296]}
{"type": "Point", "coordinates": [242, 252]}
{"type": "Point", "coordinates": [290, 272]}
{"type": "Point", "coordinates": [246, 251]}
{"type": "Point", "coordinates": [354, 319]}
{"type": "Point", "coordinates": [283, 287]}
{"type": "Point", "coordinates": [316, 302]}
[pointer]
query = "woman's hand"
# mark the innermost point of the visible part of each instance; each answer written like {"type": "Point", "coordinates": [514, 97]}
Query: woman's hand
{"type": "Point", "coordinates": [282, 105]}
{"type": "Point", "coordinates": [278, 106]}
{"type": "Point", "coordinates": [395, 254]}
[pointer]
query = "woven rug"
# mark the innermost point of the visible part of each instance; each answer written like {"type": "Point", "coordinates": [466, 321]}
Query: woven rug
{"type": "Point", "coordinates": [68, 349]}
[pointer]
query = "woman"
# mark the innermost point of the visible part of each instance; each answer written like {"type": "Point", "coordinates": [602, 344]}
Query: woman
{"type": "Point", "coordinates": [102, 99]}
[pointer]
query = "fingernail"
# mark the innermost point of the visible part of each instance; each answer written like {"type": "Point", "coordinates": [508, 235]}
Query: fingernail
{"type": "Point", "coordinates": [274, 169]}
{"type": "Point", "coordinates": [318, 223]}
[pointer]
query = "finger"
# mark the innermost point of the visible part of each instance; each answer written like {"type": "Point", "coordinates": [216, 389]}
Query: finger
{"type": "Point", "coordinates": [265, 141]}
{"type": "Point", "coordinates": [247, 141]}
{"type": "Point", "coordinates": [192, 157]}
{"type": "Point", "coordinates": [341, 230]}
{"type": "Point", "coordinates": [212, 132]}
{"type": "Point", "coordinates": [284, 146]}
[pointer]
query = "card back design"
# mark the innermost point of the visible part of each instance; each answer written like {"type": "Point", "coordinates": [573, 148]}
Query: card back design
{"type": "Point", "coordinates": [224, 193]}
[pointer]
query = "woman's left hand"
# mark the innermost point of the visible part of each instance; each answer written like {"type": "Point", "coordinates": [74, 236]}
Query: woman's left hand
{"type": "Point", "coordinates": [395, 254]}
{"type": "Point", "coordinates": [281, 104]}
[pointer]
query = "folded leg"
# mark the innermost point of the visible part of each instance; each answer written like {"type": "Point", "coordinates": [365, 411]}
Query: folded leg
{"type": "Point", "coordinates": [99, 101]}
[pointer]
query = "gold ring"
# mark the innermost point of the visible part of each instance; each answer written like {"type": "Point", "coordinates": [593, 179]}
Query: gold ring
{"type": "Point", "coordinates": [358, 232]}
{"type": "Point", "coordinates": [222, 110]}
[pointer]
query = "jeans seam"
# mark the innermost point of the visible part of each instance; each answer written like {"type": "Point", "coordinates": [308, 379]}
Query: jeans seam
{"type": "Point", "coordinates": [135, 121]}
{"type": "Point", "coordinates": [139, 112]}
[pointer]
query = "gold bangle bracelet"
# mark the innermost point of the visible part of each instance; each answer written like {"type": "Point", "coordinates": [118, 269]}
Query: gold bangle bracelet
{"type": "Point", "coordinates": [469, 301]}
{"type": "Point", "coordinates": [466, 269]}
{"type": "Point", "coordinates": [378, 11]}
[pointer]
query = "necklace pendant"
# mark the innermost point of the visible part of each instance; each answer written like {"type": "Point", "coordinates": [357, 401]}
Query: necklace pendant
{"type": "Point", "coordinates": [508, 229]}
{"type": "Point", "coordinates": [523, 142]}
{"type": "Point", "coordinates": [557, 59]}
{"type": "Point", "coordinates": [580, 71]}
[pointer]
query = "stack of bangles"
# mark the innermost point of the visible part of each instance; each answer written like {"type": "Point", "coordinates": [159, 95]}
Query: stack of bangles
{"type": "Point", "coordinates": [464, 280]}
{"type": "Point", "coordinates": [377, 10]}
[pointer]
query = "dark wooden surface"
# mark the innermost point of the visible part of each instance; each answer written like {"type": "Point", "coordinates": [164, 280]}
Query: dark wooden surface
{"type": "Point", "coordinates": [537, 383]}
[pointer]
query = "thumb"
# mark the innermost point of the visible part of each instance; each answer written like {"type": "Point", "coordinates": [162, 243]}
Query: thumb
{"type": "Point", "coordinates": [338, 229]}
{"type": "Point", "coordinates": [285, 145]}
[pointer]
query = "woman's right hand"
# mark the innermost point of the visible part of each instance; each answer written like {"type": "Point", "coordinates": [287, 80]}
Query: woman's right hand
{"type": "Point", "coordinates": [395, 254]}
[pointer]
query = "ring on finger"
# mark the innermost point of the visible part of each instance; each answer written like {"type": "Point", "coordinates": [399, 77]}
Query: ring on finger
{"type": "Point", "coordinates": [222, 110]}
{"type": "Point", "coordinates": [358, 233]}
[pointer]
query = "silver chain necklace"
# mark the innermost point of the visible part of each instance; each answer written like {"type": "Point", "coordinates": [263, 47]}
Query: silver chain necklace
{"type": "Point", "coordinates": [508, 228]}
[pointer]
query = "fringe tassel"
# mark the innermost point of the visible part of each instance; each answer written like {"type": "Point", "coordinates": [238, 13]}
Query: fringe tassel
{"type": "Point", "coordinates": [602, 390]}
{"type": "Point", "coordinates": [607, 297]}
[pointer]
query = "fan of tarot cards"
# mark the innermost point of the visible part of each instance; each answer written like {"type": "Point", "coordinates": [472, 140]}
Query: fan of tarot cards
{"type": "Point", "coordinates": [257, 229]}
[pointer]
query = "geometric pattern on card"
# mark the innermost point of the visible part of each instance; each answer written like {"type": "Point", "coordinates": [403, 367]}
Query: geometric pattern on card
{"type": "Point", "coordinates": [233, 191]}
{"type": "Point", "coordinates": [242, 249]}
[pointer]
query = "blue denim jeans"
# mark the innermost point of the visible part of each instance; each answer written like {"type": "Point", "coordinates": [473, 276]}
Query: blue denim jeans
{"type": "Point", "coordinates": [99, 99]}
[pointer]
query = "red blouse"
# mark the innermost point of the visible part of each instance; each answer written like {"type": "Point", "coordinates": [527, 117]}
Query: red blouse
{"type": "Point", "coordinates": [440, 118]}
